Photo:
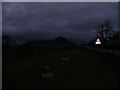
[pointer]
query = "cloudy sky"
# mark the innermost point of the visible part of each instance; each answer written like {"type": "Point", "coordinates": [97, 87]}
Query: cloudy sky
{"type": "Point", "coordinates": [40, 21]}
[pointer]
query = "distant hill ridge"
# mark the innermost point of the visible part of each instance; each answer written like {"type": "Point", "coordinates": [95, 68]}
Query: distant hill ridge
{"type": "Point", "coordinates": [59, 41]}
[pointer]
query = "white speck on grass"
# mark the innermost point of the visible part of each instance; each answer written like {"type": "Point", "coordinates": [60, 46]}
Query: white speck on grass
{"type": "Point", "coordinates": [47, 67]}
{"type": "Point", "coordinates": [47, 75]}
{"type": "Point", "coordinates": [62, 63]}
{"type": "Point", "coordinates": [65, 59]}
{"type": "Point", "coordinates": [26, 64]}
{"type": "Point", "coordinates": [36, 84]}
{"type": "Point", "coordinates": [86, 67]}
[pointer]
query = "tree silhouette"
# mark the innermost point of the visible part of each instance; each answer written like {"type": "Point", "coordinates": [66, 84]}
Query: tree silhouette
{"type": "Point", "coordinates": [116, 35]}
{"type": "Point", "coordinates": [104, 30]}
{"type": "Point", "coordinates": [7, 40]}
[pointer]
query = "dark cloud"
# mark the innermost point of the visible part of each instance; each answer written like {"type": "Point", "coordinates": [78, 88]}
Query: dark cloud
{"type": "Point", "coordinates": [75, 21]}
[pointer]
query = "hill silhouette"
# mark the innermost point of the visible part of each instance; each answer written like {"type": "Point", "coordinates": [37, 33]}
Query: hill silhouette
{"type": "Point", "coordinates": [37, 46]}
{"type": "Point", "coordinates": [59, 41]}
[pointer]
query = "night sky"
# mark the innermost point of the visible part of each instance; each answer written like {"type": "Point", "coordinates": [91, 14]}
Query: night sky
{"type": "Point", "coordinates": [41, 21]}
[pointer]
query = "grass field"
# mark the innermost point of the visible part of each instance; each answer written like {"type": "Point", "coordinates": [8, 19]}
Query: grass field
{"type": "Point", "coordinates": [84, 69]}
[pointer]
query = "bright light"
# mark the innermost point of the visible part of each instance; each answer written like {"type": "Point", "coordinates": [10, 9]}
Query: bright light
{"type": "Point", "coordinates": [98, 41]}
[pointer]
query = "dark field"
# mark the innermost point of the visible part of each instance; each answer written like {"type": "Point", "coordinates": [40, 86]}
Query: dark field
{"type": "Point", "coordinates": [84, 69]}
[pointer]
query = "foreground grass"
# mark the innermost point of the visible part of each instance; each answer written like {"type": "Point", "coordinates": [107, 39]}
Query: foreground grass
{"type": "Point", "coordinates": [85, 68]}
